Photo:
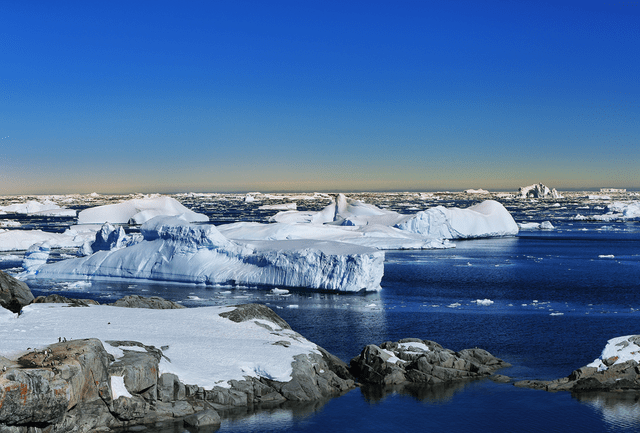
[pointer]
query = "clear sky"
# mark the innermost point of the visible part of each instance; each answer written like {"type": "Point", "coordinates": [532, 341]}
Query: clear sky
{"type": "Point", "coordinates": [168, 96]}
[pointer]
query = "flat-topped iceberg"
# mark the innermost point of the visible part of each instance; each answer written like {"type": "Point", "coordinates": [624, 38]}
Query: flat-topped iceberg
{"type": "Point", "coordinates": [173, 249]}
{"type": "Point", "coordinates": [138, 211]}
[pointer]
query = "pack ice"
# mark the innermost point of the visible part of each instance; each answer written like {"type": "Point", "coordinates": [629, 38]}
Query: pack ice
{"type": "Point", "coordinates": [174, 249]}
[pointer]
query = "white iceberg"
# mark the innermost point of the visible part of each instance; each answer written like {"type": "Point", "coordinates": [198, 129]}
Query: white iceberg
{"type": "Point", "coordinates": [138, 211]}
{"type": "Point", "coordinates": [537, 191]}
{"type": "Point", "coordinates": [349, 220]}
{"type": "Point", "coordinates": [615, 211]}
{"type": "Point", "coordinates": [204, 348]}
{"type": "Point", "coordinates": [486, 219]}
{"type": "Point", "coordinates": [173, 249]}
{"type": "Point", "coordinates": [19, 240]}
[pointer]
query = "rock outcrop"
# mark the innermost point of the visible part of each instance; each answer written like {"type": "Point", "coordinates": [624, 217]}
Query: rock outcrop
{"type": "Point", "coordinates": [152, 302]}
{"type": "Point", "coordinates": [415, 361]}
{"type": "Point", "coordinates": [59, 299]}
{"type": "Point", "coordinates": [14, 294]}
{"type": "Point", "coordinates": [617, 369]}
{"type": "Point", "coordinates": [79, 386]}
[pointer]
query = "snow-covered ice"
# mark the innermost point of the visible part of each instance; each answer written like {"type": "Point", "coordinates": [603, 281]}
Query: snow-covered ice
{"type": "Point", "coordinates": [32, 207]}
{"type": "Point", "coordinates": [205, 349]}
{"type": "Point", "coordinates": [173, 249]}
{"type": "Point", "coordinates": [138, 211]}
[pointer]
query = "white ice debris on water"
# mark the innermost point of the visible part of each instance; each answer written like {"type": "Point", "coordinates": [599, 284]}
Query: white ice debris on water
{"type": "Point", "coordinates": [545, 225]}
{"type": "Point", "coordinates": [204, 348]}
{"type": "Point", "coordinates": [617, 351]}
{"type": "Point", "coordinates": [615, 211]}
{"type": "Point", "coordinates": [173, 249]}
{"type": "Point", "coordinates": [32, 207]}
{"type": "Point", "coordinates": [484, 302]}
{"type": "Point", "coordinates": [138, 211]}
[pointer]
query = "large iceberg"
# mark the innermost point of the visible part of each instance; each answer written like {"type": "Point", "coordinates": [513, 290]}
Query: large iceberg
{"type": "Point", "coordinates": [138, 211]}
{"type": "Point", "coordinates": [32, 207]}
{"type": "Point", "coordinates": [174, 249]}
{"type": "Point", "coordinates": [349, 220]}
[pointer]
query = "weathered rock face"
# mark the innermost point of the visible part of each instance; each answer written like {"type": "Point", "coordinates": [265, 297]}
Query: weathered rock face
{"type": "Point", "coordinates": [14, 294]}
{"type": "Point", "coordinates": [415, 361]}
{"type": "Point", "coordinates": [153, 302]}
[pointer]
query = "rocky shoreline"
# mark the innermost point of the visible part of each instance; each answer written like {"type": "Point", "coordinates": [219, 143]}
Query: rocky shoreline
{"type": "Point", "coordinates": [78, 385]}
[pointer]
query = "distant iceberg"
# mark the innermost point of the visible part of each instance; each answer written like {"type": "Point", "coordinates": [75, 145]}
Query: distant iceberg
{"type": "Point", "coordinates": [615, 211]}
{"type": "Point", "coordinates": [32, 207]}
{"type": "Point", "coordinates": [538, 191]}
{"type": "Point", "coordinates": [174, 249]}
{"type": "Point", "coordinates": [138, 211]}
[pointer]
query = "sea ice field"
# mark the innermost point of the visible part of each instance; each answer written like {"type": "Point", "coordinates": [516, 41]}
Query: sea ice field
{"type": "Point", "coordinates": [545, 299]}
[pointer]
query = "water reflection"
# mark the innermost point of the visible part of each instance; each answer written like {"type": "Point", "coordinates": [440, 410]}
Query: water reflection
{"type": "Point", "coordinates": [436, 393]}
{"type": "Point", "coordinates": [620, 410]}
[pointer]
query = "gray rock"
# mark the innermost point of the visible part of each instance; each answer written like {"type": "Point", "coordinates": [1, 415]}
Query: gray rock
{"type": "Point", "coordinates": [246, 312]}
{"type": "Point", "coordinates": [153, 302]}
{"type": "Point", "coordinates": [170, 388]}
{"type": "Point", "coordinates": [14, 294]}
{"type": "Point", "coordinates": [139, 370]}
{"type": "Point", "coordinates": [208, 417]}
{"type": "Point", "coordinates": [416, 361]}
{"type": "Point", "coordinates": [59, 299]}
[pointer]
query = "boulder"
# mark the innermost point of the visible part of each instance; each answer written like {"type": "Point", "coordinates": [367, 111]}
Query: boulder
{"type": "Point", "coordinates": [246, 312]}
{"type": "Point", "coordinates": [152, 302]}
{"type": "Point", "coordinates": [415, 361]}
{"type": "Point", "coordinates": [205, 418]}
{"type": "Point", "coordinates": [14, 294]}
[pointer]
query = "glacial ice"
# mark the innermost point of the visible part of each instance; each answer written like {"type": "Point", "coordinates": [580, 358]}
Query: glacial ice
{"type": "Point", "coordinates": [537, 191]}
{"type": "Point", "coordinates": [138, 211]}
{"type": "Point", "coordinates": [174, 249]}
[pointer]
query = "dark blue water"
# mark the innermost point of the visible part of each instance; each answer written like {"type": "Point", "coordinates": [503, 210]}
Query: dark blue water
{"type": "Point", "coordinates": [557, 297]}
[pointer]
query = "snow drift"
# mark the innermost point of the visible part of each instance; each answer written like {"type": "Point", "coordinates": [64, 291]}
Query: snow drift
{"type": "Point", "coordinates": [174, 249]}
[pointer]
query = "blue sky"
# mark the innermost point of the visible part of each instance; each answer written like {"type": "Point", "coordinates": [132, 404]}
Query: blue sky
{"type": "Point", "coordinates": [330, 95]}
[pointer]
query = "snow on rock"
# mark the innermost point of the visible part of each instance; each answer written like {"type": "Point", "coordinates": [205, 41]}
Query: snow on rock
{"type": "Point", "coordinates": [537, 191]}
{"type": "Point", "coordinates": [203, 347]}
{"type": "Point", "coordinates": [486, 219]}
{"type": "Point", "coordinates": [138, 211]}
{"type": "Point", "coordinates": [617, 351]}
{"type": "Point", "coordinates": [174, 249]}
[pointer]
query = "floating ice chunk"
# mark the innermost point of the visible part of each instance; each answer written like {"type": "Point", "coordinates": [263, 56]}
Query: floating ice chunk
{"type": "Point", "coordinates": [454, 305]}
{"type": "Point", "coordinates": [293, 306]}
{"type": "Point", "coordinates": [138, 211]}
{"type": "Point", "coordinates": [282, 206]}
{"type": "Point", "coordinates": [546, 225]}
{"type": "Point", "coordinates": [556, 314]}
{"type": "Point", "coordinates": [606, 256]}
{"type": "Point", "coordinates": [484, 302]}
{"type": "Point", "coordinates": [277, 291]}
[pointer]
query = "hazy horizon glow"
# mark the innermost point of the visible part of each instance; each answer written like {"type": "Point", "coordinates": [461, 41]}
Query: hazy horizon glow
{"type": "Point", "coordinates": [318, 96]}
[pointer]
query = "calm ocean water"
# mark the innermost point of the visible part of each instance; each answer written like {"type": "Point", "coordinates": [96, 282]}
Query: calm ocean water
{"type": "Point", "coordinates": [558, 296]}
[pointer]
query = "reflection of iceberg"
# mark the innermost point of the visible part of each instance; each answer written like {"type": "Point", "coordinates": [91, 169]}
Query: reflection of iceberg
{"type": "Point", "coordinates": [620, 410]}
{"type": "Point", "coordinates": [173, 249]}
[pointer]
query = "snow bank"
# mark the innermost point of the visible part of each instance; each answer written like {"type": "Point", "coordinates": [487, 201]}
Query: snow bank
{"type": "Point", "coordinates": [204, 348]}
{"type": "Point", "coordinates": [486, 219]}
{"type": "Point", "coordinates": [138, 211]}
{"type": "Point", "coordinates": [617, 351]}
{"type": "Point", "coordinates": [173, 249]}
